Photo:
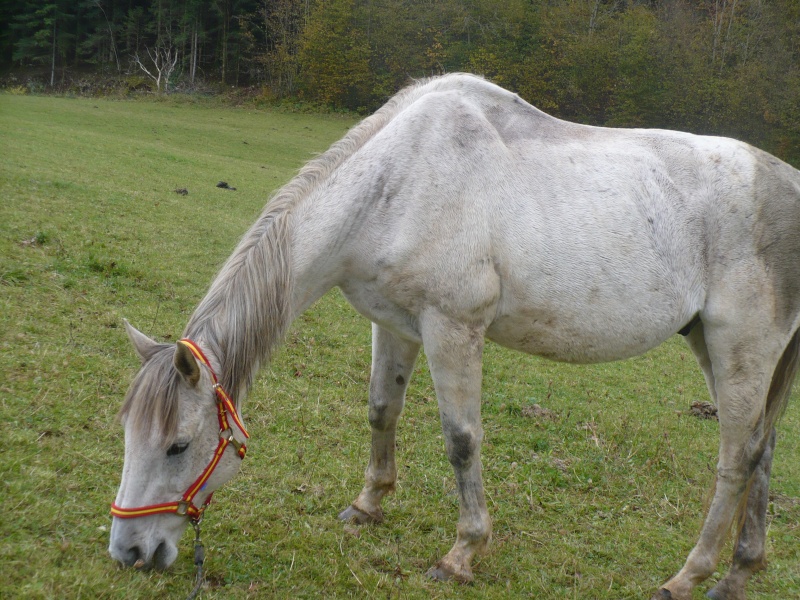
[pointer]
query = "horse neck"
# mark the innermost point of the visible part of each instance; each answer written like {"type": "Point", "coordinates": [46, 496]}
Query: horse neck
{"type": "Point", "coordinates": [276, 272]}
{"type": "Point", "coordinates": [289, 258]}
{"type": "Point", "coordinates": [247, 309]}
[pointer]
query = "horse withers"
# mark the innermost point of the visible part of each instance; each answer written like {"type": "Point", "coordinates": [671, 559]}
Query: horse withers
{"type": "Point", "coordinates": [458, 213]}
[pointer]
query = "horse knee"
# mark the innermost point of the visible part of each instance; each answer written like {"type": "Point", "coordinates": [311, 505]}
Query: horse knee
{"type": "Point", "coordinates": [462, 444]}
{"type": "Point", "coordinates": [383, 415]}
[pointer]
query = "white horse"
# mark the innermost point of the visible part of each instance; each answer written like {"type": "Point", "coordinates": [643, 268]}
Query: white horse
{"type": "Point", "coordinates": [456, 213]}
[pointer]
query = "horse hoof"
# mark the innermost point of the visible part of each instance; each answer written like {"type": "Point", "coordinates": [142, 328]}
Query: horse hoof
{"type": "Point", "coordinates": [722, 591]}
{"type": "Point", "coordinates": [665, 594]}
{"type": "Point", "coordinates": [351, 514]}
{"type": "Point", "coordinates": [440, 572]}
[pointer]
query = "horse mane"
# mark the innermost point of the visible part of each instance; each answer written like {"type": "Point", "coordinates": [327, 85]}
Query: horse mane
{"type": "Point", "coordinates": [247, 311]}
{"type": "Point", "coordinates": [152, 396]}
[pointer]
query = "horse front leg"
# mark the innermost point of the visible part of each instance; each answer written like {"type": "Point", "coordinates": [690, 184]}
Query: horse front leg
{"type": "Point", "coordinates": [454, 353]}
{"type": "Point", "coordinates": [393, 362]}
{"type": "Point", "coordinates": [749, 556]}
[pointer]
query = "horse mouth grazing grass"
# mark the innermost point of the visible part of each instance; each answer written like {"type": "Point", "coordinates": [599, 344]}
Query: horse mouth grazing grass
{"type": "Point", "coordinates": [142, 558]}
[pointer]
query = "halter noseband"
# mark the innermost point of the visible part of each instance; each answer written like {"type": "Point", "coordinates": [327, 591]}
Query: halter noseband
{"type": "Point", "coordinates": [185, 506]}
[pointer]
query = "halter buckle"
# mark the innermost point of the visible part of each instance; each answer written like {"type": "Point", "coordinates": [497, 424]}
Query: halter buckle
{"type": "Point", "coordinates": [183, 508]}
{"type": "Point", "coordinates": [227, 435]}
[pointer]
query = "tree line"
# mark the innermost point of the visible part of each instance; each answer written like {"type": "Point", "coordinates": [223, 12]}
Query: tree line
{"type": "Point", "coordinates": [726, 67]}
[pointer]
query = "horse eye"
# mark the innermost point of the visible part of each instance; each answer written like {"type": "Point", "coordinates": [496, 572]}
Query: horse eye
{"type": "Point", "coordinates": [177, 449]}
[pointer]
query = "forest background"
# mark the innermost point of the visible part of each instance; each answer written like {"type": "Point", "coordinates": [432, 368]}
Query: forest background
{"type": "Point", "coordinates": [725, 67]}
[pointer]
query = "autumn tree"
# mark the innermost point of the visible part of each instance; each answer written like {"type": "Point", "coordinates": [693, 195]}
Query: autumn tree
{"type": "Point", "coordinates": [334, 54]}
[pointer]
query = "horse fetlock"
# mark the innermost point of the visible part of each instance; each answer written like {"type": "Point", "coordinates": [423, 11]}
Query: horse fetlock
{"type": "Point", "coordinates": [732, 586]}
{"type": "Point", "coordinates": [380, 482]}
{"type": "Point", "coordinates": [745, 565]}
{"type": "Point", "coordinates": [476, 536]}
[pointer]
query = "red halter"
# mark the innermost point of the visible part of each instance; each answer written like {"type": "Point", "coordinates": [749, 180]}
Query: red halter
{"type": "Point", "coordinates": [184, 506]}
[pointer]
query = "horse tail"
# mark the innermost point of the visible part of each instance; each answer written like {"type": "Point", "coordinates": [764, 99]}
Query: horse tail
{"type": "Point", "coordinates": [777, 400]}
{"type": "Point", "coordinates": [781, 387]}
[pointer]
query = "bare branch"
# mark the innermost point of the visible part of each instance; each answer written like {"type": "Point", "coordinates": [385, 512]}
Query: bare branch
{"type": "Point", "coordinates": [164, 60]}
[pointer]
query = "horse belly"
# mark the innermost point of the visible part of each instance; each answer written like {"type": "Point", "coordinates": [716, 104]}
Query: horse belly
{"type": "Point", "coordinates": [569, 342]}
{"type": "Point", "coordinates": [592, 329]}
{"type": "Point", "coordinates": [592, 282]}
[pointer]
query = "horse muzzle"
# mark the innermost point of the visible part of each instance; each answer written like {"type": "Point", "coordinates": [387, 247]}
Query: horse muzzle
{"type": "Point", "coordinates": [141, 550]}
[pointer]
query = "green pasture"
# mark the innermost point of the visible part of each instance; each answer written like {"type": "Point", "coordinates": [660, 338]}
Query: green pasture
{"type": "Point", "coordinates": [596, 493]}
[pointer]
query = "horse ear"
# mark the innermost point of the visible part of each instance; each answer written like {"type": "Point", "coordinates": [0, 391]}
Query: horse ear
{"type": "Point", "coordinates": [186, 364]}
{"type": "Point", "coordinates": [144, 346]}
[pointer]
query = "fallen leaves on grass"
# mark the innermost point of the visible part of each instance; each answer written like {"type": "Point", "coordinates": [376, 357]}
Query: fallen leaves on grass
{"type": "Point", "coordinates": [591, 427]}
{"type": "Point", "coordinates": [352, 530]}
{"type": "Point", "coordinates": [704, 410]}
{"type": "Point", "coordinates": [534, 411]}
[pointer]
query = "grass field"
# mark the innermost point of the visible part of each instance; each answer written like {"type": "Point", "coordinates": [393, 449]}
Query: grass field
{"type": "Point", "coordinates": [600, 494]}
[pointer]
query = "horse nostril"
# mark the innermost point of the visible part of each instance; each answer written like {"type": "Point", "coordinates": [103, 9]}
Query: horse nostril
{"type": "Point", "coordinates": [134, 558]}
{"type": "Point", "coordinates": [159, 556]}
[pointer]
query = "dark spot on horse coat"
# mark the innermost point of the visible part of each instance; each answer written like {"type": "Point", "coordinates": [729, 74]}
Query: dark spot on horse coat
{"type": "Point", "coordinates": [461, 447]}
{"type": "Point", "coordinates": [377, 416]}
{"type": "Point", "coordinates": [400, 380]}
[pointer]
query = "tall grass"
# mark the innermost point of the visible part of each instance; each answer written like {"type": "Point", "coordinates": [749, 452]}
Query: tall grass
{"type": "Point", "coordinates": [599, 493]}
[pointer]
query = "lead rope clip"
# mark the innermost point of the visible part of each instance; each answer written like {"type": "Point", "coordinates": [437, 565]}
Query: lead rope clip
{"type": "Point", "coordinates": [199, 559]}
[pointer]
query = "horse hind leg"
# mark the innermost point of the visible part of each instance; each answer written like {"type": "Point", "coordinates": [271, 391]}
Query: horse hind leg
{"type": "Point", "coordinates": [752, 386]}
{"type": "Point", "coordinates": [393, 362]}
{"type": "Point", "coordinates": [749, 556]}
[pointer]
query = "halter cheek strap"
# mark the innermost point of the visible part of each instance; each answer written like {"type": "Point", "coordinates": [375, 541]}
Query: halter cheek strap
{"type": "Point", "coordinates": [225, 410]}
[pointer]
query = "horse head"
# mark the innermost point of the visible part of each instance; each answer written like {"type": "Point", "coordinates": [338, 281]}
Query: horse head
{"type": "Point", "coordinates": [178, 424]}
